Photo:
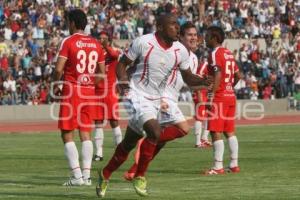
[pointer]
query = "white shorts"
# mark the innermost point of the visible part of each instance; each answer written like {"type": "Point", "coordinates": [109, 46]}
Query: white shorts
{"type": "Point", "coordinates": [140, 110]}
{"type": "Point", "coordinates": [172, 116]}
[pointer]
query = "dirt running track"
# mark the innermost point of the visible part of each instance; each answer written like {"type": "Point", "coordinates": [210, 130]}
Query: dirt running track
{"type": "Point", "coordinates": [29, 127]}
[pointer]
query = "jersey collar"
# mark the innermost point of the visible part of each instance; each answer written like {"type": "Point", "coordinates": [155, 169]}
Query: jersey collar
{"type": "Point", "coordinates": [160, 42]}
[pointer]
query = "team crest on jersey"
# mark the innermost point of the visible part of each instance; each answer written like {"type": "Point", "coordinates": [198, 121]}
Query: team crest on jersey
{"type": "Point", "coordinates": [84, 79]}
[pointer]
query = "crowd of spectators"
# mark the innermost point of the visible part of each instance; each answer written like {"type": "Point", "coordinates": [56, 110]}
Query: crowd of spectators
{"type": "Point", "coordinates": [30, 32]}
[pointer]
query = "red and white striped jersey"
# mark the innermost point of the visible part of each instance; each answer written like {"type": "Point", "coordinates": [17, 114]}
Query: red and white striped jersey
{"type": "Point", "coordinates": [157, 66]}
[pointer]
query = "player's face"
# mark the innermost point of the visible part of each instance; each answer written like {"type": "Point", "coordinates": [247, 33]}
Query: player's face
{"type": "Point", "coordinates": [190, 39]}
{"type": "Point", "coordinates": [171, 29]}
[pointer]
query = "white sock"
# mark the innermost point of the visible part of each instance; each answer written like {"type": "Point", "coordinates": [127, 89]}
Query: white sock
{"type": "Point", "coordinates": [205, 131]}
{"type": "Point", "coordinates": [234, 149]}
{"type": "Point", "coordinates": [72, 156]}
{"type": "Point", "coordinates": [99, 137]}
{"type": "Point", "coordinates": [218, 154]}
{"type": "Point", "coordinates": [198, 130]}
{"type": "Point", "coordinates": [117, 135]}
{"type": "Point", "coordinates": [87, 156]}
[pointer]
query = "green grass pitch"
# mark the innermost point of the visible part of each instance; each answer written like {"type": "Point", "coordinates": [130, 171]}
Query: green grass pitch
{"type": "Point", "coordinates": [33, 166]}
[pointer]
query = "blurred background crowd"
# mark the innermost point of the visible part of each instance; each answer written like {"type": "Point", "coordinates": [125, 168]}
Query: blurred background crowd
{"type": "Point", "coordinates": [30, 33]}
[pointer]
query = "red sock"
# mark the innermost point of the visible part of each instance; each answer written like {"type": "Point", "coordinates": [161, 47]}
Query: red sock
{"type": "Point", "coordinates": [146, 154]}
{"type": "Point", "coordinates": [170, 133]}
{"type": "Point", "coordinates": [133, 168]}
{"type": "Point", "coordinates": [116, 161]}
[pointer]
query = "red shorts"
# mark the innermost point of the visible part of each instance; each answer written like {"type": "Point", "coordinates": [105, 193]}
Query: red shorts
{"type": "Point", "coordinates": [107, 106]}
{"type": "Point", "coordinates": [76, 108]}
{"type": "Point", "coordinates": [221, 117]}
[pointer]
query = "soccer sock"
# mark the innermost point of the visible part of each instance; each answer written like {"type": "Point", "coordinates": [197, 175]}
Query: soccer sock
{"type": "Point", "coordinates": [116, 161]}
{"type": "Point", "coordinates": [218, 154]}
{"type": "Point", "coordinates": [87, 156]}
{"type": "Point", "coordinates": [133, 168]}
{"type": "Point", "coordinates": [198, 129]}
{"type": "Point", "coordinates": [159, 146]}
{"type": "Point", "coordinates": [170, 133]}
{"type": "Point", "coordinates": [205, 131]}
{"type": "Point", "coordinates": [73, 159]}
{"type": "Point", "coordinates": [234, 149]}
{"type": "Point", "coordinates": [99, 137]}
{"type": "Point", "coordinates": [117, 135]}
{"type": "Point", "coordinates": [146, 155]}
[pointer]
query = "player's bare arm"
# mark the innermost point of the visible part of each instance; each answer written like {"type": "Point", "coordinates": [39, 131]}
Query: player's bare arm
{"type": "Point", "coordinates": [215, 85]}
{"type": "Point", "coordinates": [100, 72]}
{"type": "Point", "coordinates": [122, 74]}
{"type": "Point", "coordinates": [217, 79]}
{"type": "Point", "coordinates": [59, 68]}
{"type": "Point", "coordinates": [194, 81]}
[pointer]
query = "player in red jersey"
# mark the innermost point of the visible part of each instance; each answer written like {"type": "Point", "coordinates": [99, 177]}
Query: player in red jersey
{"type": "Point", "coordinates": [80, 61]}
{"type": "Point", "coordinates": [222, 65]}
{"type": "Point", "coordinates": [200, 99]}
{"type": "Point", "coordinates": [109, 99]}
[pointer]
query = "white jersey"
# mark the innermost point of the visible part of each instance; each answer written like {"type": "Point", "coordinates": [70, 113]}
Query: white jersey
{"type": "Point", "coordinates": [157, 67]}
{"type": "Point", "coordinates": [172, 91]}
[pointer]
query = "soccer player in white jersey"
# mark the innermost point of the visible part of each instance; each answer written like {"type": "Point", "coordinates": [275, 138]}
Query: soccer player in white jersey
{"type": "Point", "coordinates": [160, 57]}
{"type": "Point", "coordinates": [170, 113]}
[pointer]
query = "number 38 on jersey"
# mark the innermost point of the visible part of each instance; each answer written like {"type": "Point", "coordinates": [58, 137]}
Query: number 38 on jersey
{"type": "Point", "coordinates": [88, 61]}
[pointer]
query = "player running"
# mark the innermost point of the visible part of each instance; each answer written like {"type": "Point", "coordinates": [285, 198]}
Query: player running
{"type": "Point", "coordinates": [172, 115]}
{"type": "Point", "coordinates": [160, 56]}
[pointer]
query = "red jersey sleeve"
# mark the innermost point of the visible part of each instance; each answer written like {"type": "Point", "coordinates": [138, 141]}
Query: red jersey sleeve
{"type": "Point", "coordinates": [217, 59]}
{"type": "Point", "coordinates": [113, 53]}
{"type": "Point", "coordinates": [101, 57]}
{"type": "Point", "coordinates": [64, 49]}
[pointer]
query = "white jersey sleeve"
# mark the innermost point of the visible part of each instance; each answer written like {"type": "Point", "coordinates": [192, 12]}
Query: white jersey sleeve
{"type": "Point", "coordinates": [135, 49]}
{"type": "Point", "coordinates": [185, 59]}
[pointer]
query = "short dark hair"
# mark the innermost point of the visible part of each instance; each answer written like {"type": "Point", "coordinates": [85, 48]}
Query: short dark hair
{"type": "Point", "coordinates": [162, 18]}
{"type": "Point", "coordinates": [78, 17]}
{"type": "Point", "coordinates": [186, 26]}
{"type": "Point", "coordinates": [217, 32]}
